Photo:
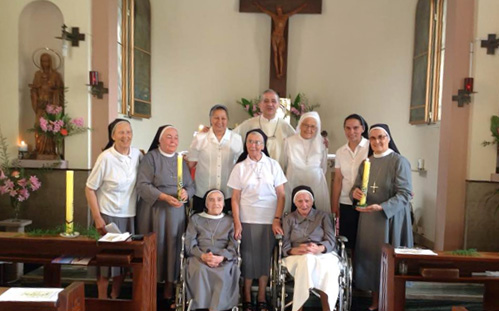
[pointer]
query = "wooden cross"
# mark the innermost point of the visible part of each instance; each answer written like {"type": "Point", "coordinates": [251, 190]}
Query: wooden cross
{"type": "Point", "coordinates": [491, 44]}
{"type": "Point", "coordinates": [462, 97]}
{"type": "Point", "coordinates": [74, 36]}
{"type": "Point", "coordinates": [280, 11]}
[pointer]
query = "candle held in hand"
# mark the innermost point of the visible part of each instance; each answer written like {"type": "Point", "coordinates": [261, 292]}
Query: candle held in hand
{"type": "Point", "coordinates": [365, 182]}
{"type": "Point", "coordinates": [180, 182]}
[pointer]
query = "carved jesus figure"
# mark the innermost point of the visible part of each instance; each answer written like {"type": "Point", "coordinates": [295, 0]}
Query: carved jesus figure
{"type": "Point", "coordinates": [278, 42]}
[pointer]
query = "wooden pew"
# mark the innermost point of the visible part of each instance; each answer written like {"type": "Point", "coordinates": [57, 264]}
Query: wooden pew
{"type": "Point", "coordinates": [140, 256]}
{"type": "Point", "coordinates": [72, 298]}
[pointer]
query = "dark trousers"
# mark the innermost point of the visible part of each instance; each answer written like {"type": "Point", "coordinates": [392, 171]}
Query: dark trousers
{"type": "Point", "coordinates": [349, 219]}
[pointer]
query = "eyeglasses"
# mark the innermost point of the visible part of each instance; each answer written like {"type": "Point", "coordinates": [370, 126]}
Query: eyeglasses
{"type": "Point", "coordinates": [309, 126]}
{"type": "Point", "coordinates": [377, 138]}
{"type": "Point", "coordinates": [255, 142]}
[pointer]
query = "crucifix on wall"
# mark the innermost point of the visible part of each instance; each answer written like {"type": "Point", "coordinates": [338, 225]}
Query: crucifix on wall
{"type": "Point", "coordinates": [280, 11]}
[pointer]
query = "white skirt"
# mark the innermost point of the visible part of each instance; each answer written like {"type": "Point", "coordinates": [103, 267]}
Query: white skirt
{"type": "Point", "coordinates": [314, 271]}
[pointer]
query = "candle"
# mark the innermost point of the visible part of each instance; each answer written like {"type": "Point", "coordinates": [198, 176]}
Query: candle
{"type": "Point", "coordinates": [180, 183]}
{"type": "Point", "coordinates": [365, 182]}
{"type": "Point", "coordinates": [200, 128]}
{"type": "Point", "coordinates": [69, 201]}
{"type": "Point", "coordinates": [94, 78]}
{"type": "Point", "coordinates": [23, 147]}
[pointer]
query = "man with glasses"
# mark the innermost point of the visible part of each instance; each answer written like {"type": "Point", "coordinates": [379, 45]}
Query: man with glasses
{"type": "Point", "coordinates": [276, 129]}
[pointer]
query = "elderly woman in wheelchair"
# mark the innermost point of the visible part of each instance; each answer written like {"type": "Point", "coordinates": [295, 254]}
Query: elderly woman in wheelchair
{"type": "Point", "coordinates": [212, 271]}
{"type": "Point", "coordinates": [308, 247]}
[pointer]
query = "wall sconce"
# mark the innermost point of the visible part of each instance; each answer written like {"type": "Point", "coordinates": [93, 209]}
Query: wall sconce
{"type": "Point", "coordinates": [463, 95]}
{"type": "Point", "coordinates": [96, 87]}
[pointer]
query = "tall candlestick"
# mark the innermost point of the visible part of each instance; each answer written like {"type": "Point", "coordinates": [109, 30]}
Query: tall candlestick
{"type": "Point", "coordinates": [180, 183]}
{"type": "Point", "coordinates": [365, 182]}
{"type": "Point", "coordinates": [69, 201]}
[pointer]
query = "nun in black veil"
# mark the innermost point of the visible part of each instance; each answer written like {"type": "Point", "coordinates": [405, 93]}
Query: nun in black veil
{"type": "Point", "coordinates": [160, 210]}
{"type": "Point", "coordinates": [387, 216]}
{"type": "Point", "coordinates": [111, 194]}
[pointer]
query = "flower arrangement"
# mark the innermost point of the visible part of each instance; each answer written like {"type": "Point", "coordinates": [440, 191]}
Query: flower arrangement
{"type": "Point", "coordinates": [13, 180]}
{"type": "Point", "coordinates": [297, 107]}
{"type": "Point", "coordinates": [58, 125]}
{"type": "Point", "coordinates": [300, 105]}
{"type": "Point", "coordinates": [251, 106]}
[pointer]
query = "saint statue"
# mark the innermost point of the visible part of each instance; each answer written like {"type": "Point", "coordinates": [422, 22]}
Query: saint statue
{"type": "Point", "coordinates": [278, 42]}
{"type": "Point", "coordinates": [47, 89]}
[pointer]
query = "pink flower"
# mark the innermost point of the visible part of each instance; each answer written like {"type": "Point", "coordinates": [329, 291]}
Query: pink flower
{"type": "Point", "coordinates": [58, 124]}
{"type": "Point", "coordinates": [35, 183]}
{"type": "Point", "coordinates": [9, 185]}
{"type": "Point", "coordinates": [22, 182]}
{"type": "Point", "coordinates": [4, 189]}
{"type": "Point", "coordinates": [57, 109]}
{"type": "Point", "coordinates": [78, 122]}
{"type": "Point", "coordinates": [246, 108]}
{"type": "Point", "coordinates": [2, 175]}
{"type": "Point", "coordinates": [302, 108]}
{"type": "Point", "coordinates": [53, 109]}
{"type": "Point", "coordinates": [43, 124]}
{"type": "Point", "coordinates": [23, 194]}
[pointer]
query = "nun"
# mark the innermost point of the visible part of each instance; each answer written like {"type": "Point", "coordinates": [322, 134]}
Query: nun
{"type": "Point", "coordinates": [257, 183]}
{"type": "Point", "coordinates": [161, 210]}
{"type": "Point", "coordinates": [212, 272]}
{"type": "Point", "coordinates": [111, 194]}
{"type": "Point", "coordinates": [387, 216]}
{"type": "Point", "coordinates": [305, 161]}
{"type": "Point", "coordinates": [309, 249]}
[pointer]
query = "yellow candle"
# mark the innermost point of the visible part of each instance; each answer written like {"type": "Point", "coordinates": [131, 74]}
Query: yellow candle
{"type": "Point", "coordinates": [180, 183]}
{"type": "Point", "coordinates": [365, 182]}
{"type": "Point", "coordinates": [69, 201]}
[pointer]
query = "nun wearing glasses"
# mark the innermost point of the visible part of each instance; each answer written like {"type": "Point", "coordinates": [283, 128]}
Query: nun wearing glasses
{"type": "Point", "coordinates": [387, 216]}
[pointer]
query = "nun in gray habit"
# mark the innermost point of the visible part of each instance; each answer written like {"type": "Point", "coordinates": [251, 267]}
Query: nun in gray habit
{"type": "Point", "coordinates": [159, 209]}
{"type": "Point", "coordinates": [387, 216]}
{"type": "Point", "coordinates": [212, 273]}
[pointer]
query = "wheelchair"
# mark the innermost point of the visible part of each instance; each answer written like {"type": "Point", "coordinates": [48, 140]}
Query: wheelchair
{"type": "Point", "coordinates": [280, 288]}
{"type": "Point", "coordinates": [181, 303]}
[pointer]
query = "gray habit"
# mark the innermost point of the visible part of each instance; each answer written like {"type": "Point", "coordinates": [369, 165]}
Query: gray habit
{"type": "Point", "coordinates": [211, 288]}
{"type": "Point", "coordinates": [392, 174]}
{"type": "Point", "coordinates": [158, 174]}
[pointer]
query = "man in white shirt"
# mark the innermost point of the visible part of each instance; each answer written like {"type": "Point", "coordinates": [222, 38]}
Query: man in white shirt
{"type": "Point", "coordinates": [275, 128]}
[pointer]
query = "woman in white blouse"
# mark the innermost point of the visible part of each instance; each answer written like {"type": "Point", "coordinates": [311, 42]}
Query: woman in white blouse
{"type": "Point", "coordinates": [111, 195]}
{"type": "Point", "coordinates": [214, 154]}
{"type": "Point", "coordinates": [257, 183]}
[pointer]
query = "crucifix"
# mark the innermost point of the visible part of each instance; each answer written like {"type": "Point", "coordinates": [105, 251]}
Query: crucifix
{"type": "Point", "coordinates": [374, 187]}
{"type": "Point", "coordinates": [280, 11]}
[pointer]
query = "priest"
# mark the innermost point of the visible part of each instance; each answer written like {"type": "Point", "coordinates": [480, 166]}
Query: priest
{"type": "Point", "coordinates": [274, 127]}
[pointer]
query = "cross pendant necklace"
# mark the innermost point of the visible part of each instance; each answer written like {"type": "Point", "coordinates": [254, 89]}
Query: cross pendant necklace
{"type": "Point", "coordinates": [374, 187]}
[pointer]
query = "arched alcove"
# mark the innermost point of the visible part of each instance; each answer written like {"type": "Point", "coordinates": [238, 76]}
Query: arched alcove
{"type": "Point", "coordinates": [39, 23]}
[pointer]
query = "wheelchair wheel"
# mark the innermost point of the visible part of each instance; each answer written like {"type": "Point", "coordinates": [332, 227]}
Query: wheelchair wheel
{"type": "Point", "coordinates": [345, 301]}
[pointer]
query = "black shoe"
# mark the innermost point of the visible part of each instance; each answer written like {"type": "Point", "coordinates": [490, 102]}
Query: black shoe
{"type": "Point", "coordinates": [263, 306]}
{"type": "Point", "coordinates": [247, 306]}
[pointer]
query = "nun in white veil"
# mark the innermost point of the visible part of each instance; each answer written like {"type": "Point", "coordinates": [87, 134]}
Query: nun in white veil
{"type": "Point", "coordinates": [305, 161]}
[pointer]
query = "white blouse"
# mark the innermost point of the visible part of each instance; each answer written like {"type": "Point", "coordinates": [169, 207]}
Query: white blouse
{"type": "Point", "coordinates": [113, 178]}
{"type": "Point", "coordinates": [348, 162]}
{"type": "Point", "coordinates": [257, 182]}
{"type": "Point", "coordinates": [215, 160]}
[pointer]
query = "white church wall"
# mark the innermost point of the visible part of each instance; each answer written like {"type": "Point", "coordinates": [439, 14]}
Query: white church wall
{"type": "Point", "coordinates": [485, 103]}
{"type": "Point", "coordinates": [354, 57]}
{"type": "Point", "coordinates": [75, 13]}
